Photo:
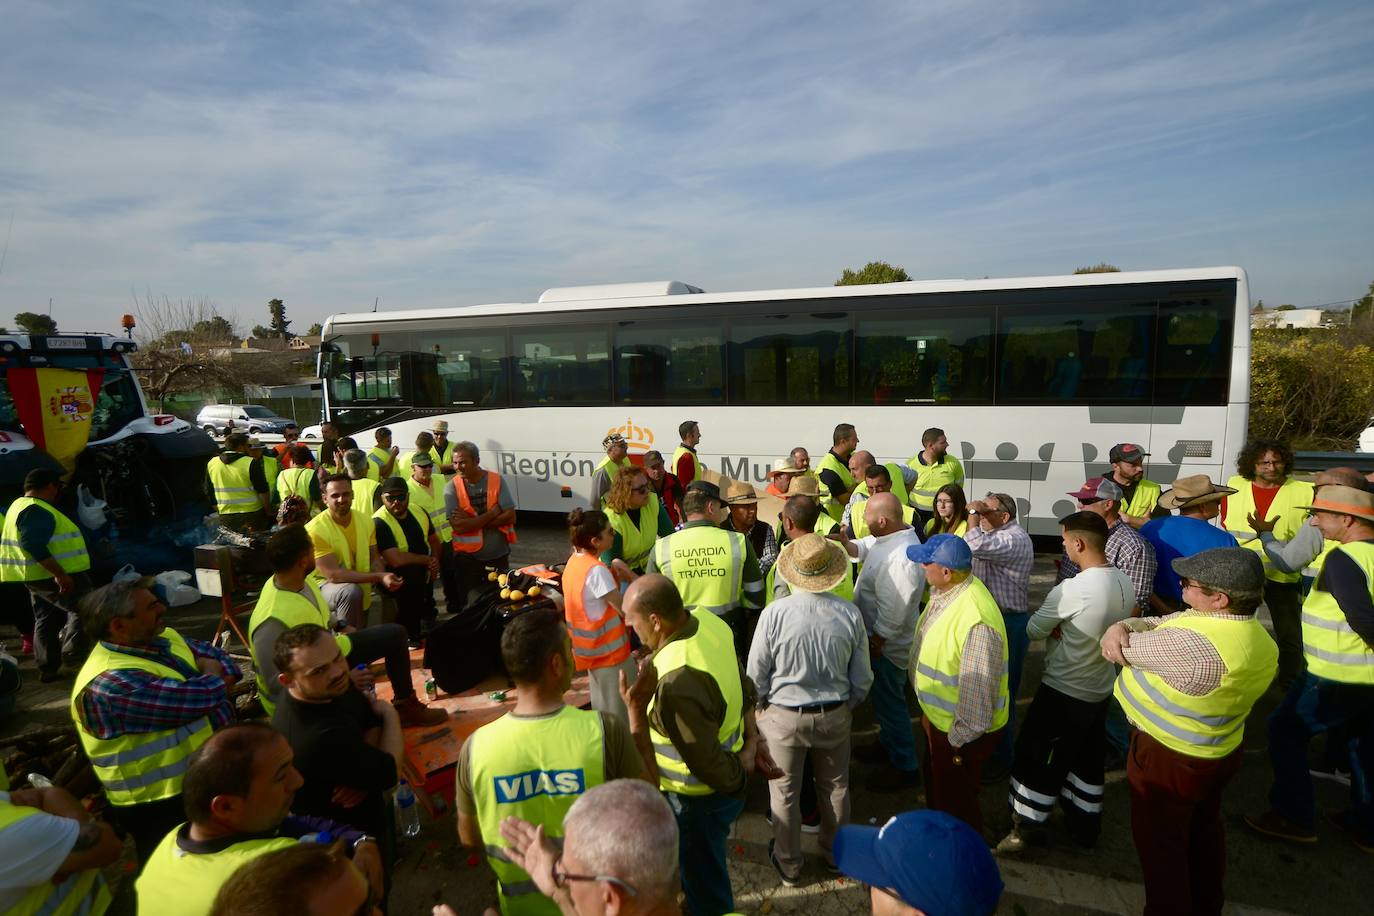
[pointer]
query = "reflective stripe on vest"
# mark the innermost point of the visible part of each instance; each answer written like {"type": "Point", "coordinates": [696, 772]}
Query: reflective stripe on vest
{"type": "Point", "coordinates": [351, 547]}
{"type": "Point", "coordinates": [533, 768]}
{"type": "Point", "coordinates": [636, 541]}
{"type": "Point", "coordinates": [706, 564]}
{"type": "Point", "coordinates": [379, 458]}
{"type": "Point", "coordinates": [431, 502]}
{"type": "Point", "coordinates": [1332, 648]}
{"type": "Point", "coordinates": [139, 767]}
{"type": "Point", "coordinates": [931, 477]}
{"type": "Point", "coordinates": [67, 545]}
{"type": "Point", "coordinates": [195, 878]}
{"type": "Point", "coordinates": [1213, 725]}
{"type": "Point", "coordinates": [292, 609]}
{"type": "Point", "coordinates": [1285, 509]}
{"type": "Point", "coordinates": [711, 649]}
{"type": "Point", "coordinates": [935, 675]}
{"type": "Point", "coordinates": [600, 644]}
{"type": "Point", "coordinates": [84, 892]}
{"type": "Point", "coordinates": [471, 541]}
{"type": "Point", "coordinates": [233, 485]}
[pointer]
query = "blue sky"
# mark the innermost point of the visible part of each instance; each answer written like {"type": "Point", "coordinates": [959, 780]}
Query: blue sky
{"type": "Point", "coordinates": [451, 153]}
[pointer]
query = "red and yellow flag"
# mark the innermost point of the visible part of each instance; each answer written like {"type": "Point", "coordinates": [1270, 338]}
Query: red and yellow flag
{"type": "Point", "coordinates": [55, 408]}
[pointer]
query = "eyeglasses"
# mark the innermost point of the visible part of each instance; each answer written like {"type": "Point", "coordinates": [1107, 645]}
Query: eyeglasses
{"type": "Point", "coordinates": [1192, 583]}
{"type": "Point", "coordinates": [643, 489]}
{"type": "Point", "coordinates": [561, 878]}
{"type": "Point", "coordinates": [395, 497]}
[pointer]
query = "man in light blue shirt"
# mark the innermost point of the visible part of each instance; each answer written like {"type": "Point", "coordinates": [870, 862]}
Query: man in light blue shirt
{"type": "Point", "coordinates": [809, 662]}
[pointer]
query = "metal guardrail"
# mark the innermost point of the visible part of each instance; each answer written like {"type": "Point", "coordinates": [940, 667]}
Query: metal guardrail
{"type": "Point", "coordinates": [1320, 461]}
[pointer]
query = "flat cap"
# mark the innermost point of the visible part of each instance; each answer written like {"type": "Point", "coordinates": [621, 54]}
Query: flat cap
{"type": "Point", "coordinates": [1233, 570]}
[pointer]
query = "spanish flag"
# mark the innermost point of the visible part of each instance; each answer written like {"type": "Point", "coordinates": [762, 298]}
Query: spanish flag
{"type": "Point", "coordinates": [55, 408]}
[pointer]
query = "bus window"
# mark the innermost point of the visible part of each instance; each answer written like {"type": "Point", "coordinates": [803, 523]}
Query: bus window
{"type": "Point", "coordinates": [790, 359]}
{"type": "Point", "coordinates": [1192, 362]}
{"type": "Point", "coordinates": [919, 359]}
{"type": "Point", "coordinates": [471, 369]}
{"type": "Point", "coordinates": [1089, 355]}
{"type": "Point", "coordinates": [666, 364]}
{"type": "Point", "coordinates": [556, 366]}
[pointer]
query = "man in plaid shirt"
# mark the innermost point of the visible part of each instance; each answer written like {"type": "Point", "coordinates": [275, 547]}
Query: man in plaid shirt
{"type": "Point", "coordinates": [130, 699]}
{"type": "Point", "coordinates": [1126, 549]}
{"type": "Point", "coordinates": [1002, 559]}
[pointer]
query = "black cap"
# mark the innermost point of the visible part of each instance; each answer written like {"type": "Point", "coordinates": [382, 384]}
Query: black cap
{"type": "Point", "coordinates": [1126, 451]}
{"type": "Point", "coordinates": [706, 487]}
{"type": "Point", "coordinates": [395, 485]}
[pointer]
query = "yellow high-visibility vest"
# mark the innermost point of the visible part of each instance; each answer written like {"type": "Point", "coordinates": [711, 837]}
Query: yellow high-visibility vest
{"type": "Point", "coordinates": [894, 471]}
{"type": "Point", "coordinates": [935, 673]}
{"type": "Point", "coordinates": [636, 541]}
{"type": "Point", "coordinates": [1332, 649]}
{"type": "Point", "coordinates": [67, 545]}
{"type": "Point", "coordinates": [1286, 508]}
{"type": "Point", "coordinates": [293, 609]}
{"type": "Point", "coordinates": [711, 650]}
{"type": "Point", "coordinates": [233, 484]}
{"type": "Point", "coordinates": [84, 892]}
{"type": "Point", "coordinates": [195, 878]}
{"type": "Point", "coordinates": [1213, 725]}
{"type": "Point", "coordinates": [351, 547]}
{"type": "Point", "coordinates": [931, 477]}
{"type": "Point", "coordinates": [706, 564]}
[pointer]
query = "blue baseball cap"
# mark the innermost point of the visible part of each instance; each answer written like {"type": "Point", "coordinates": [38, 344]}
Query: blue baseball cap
{"type": "Point", "coordinates": [935, 862]}
{"type": "Point", "coordinates": [944, 550]}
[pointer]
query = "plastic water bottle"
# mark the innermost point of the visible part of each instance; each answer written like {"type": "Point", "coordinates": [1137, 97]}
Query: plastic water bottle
{"type": "Point", "coordinates": [39, 781]}
{"type": "Point", "coordinates": [407, 816]}
{"type": "Point", "coordinates": [371, 691]}
{"type": "Point", "coordinates": [323, 837]}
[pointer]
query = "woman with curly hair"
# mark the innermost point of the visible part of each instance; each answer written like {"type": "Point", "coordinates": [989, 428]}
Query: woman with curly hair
{"type": "Point", "coordinates": [1267, 499]}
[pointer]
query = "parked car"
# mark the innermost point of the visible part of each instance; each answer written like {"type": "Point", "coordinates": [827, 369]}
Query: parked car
{"type": "Point", "coordinates": [247, 418]}
{"type": "Point", "coordinates": [1367, 438]}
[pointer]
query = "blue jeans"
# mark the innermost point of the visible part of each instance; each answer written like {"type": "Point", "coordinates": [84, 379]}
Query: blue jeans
{"type": "Point", "coordinates": [703, 825]}
{"type": "Point", "coordinates": [1314, 704]}
{"type": "Point", "coordinates": [1017, 643]}
{"type": "Point", "coordinates": [894, 716]}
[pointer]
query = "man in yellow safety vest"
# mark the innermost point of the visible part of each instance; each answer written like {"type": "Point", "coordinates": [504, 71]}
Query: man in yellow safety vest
{"type": "Point", "coordinates": [1139, 496]}
{"type": "Point", "coordinates": [54, 852]}
{"type": "Point", "coordinates": [1188, 683]}
{"type": "Point", "coordinates": [700, 713]}
{"type": "Point", "coordinates": [1337, 690]}
{"type": "Point", "coordinates": [238, 796]}
{"type": "Point", "coordinates": [833, 471]}
{"type": "Point", "coordinates": [537, 760]}
{"type": "Point", "coordinates": [1264, 490]}
{"type": "Point", "coordinates": [686, 464]}
{"type": "Point", "coordinates": [383, 455]}
{"type": "Point", "coordinates": [146, 698]}
{"type": "Point", "coordinates": [934, 468]}
{"type": "Point", "coordinates": [237, 486]}
{"type": "Point", "coordinates": [42, 548]}
{"type": "Point", "coordinates": [617, 458]}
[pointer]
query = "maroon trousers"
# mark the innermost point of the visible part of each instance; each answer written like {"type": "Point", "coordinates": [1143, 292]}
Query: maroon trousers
{"type": "Point", "coordinates": [1176, 823]}
{"type": "Point", "coordinates": [955, 774]}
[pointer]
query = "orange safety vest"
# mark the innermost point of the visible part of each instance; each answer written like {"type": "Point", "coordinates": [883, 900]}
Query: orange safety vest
{"type": "Point", "coordinates": [601, 644]}
{"type": "Point", "coordinates": [471, 541]}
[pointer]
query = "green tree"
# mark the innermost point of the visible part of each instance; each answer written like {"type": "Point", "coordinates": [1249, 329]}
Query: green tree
{"type": "Point", "coordinates": [277, 309]}
{"type": "Point", "coordinates": [216, 328]}
{"type": "Point", "coordinates": [1313, 389]}
{"type": "Point", "coordinates": [1363, 307]}
{"type": "Point", "coordinates": [873, 272]}
{"type": "Point", "coordinates": [261, 332]}
{"type": "Point", "coordinates": [316, 330]}
{"type": "Point", "coordinates": [34, 323]}
{"type": "Point", "coordinates": [1286, 308]}
{"type": "Point", "coordinates": [1101, 267]}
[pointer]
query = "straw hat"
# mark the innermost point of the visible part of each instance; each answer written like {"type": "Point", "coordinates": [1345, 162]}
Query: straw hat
{"type": "Point", "coordinates": [1344, 501]}
{"type": "Point", "coordinates": [804, 486]}
{"type": "Point", "coordinates": [813, 564]}
{"type": "Point", "coordinates": [440, 426]}
{"type": "Point", "coordinates": [1192, 491]}
{"type": "Point", "coordinates": [738, 493]}
{"type": "Point", "coordinates": [784, 466]}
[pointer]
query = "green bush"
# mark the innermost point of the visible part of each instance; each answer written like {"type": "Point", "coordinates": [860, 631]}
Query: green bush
{"type": "Point", "coordinates": [1313, 389]}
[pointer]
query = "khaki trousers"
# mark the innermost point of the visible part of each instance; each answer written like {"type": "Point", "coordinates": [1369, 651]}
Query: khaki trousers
{"type": "Point", "coordinates": [791, 736]}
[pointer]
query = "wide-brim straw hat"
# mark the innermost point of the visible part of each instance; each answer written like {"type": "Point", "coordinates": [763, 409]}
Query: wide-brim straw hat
{"type": "Point", "coordinates": [1344, 501]}
{"type": "Point", "coordinates": [784, 466]}
{"type": "Point", "coordinates": [813, 564]}
{"type": "Point", "coordinates": [804, 486]}
{"type": "Point", "coordinates": [738, 493]}
{"type": "Point", "coordinates": [1192, 491]}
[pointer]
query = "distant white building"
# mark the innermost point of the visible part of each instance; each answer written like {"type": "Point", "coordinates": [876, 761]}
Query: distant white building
{"type": "Point", "coordinates": [1288, 318]}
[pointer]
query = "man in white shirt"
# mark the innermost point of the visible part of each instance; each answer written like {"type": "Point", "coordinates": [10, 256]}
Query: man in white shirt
{"type": "Point", "coordinates": [888, 593]}
{"type": "Point", "coordinates": [1059, 751]}
{"type": "Point", "coordinates": [51, 853]}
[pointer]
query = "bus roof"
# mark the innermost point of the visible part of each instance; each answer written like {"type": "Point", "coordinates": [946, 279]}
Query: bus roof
{"type": "Point", "coordinates": [615, 296]}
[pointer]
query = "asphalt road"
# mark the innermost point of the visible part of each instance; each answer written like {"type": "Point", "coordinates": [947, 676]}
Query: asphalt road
{"type": "Point", "coordinates": [1329, 877]}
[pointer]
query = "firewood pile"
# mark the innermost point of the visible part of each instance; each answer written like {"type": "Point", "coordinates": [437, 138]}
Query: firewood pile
{"type": "Point", "coordinates": [53, 752]}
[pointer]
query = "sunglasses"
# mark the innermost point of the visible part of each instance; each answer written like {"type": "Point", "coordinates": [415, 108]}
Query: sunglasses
{"type": "Point", "coordinates": [561, 878]}
{"type": "Point", "coordinates": [643, 489]}
{"type": "Point", "coordinates": [395, 497]}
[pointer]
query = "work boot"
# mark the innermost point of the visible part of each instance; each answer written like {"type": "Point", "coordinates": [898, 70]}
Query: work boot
{"type": "Point", "coordinates": [1273, 824]}
{"type": "Point", "coordinates": [413, 712]}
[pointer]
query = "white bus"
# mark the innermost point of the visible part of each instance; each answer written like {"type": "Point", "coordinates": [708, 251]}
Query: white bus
{"type": "Point", "coordinates": [1033, 379]}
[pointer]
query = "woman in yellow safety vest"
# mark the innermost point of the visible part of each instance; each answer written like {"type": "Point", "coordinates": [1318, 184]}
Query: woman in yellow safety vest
{"type": "Point", "coordinates": [638, 519]}
{"type": "Point", "coordinates": [951, 512]}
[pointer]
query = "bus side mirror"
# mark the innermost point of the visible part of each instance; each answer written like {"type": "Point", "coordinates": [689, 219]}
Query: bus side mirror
{"type": "Point", "coordinates": [322, 358]}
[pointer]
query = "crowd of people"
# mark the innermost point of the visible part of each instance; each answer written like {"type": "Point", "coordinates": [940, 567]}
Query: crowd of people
{"type": "Point", "coordinates": [719, 647]}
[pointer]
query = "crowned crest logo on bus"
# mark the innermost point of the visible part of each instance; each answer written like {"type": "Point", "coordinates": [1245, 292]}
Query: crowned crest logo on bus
{"type": "Point", "coordinates": [641, 437]}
